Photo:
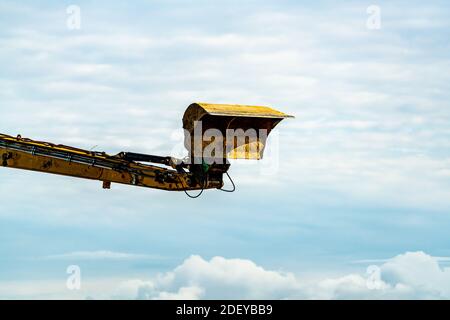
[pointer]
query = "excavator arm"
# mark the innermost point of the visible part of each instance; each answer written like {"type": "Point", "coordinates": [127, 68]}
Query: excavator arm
{"type": "Point", "coordinates": [150, 171]}
{"type": "Point", "coordinates": [63, 160]}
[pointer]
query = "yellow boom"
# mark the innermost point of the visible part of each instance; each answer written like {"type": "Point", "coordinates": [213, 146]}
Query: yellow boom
{"type": "Point", "coordinates": [165, 173]}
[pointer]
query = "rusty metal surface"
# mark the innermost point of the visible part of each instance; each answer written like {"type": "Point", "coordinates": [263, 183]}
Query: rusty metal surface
{"type": "Point", "coordinates": [225, 117]}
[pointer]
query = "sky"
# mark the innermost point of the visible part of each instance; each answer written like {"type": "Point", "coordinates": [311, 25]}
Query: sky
{"type": "Point", "coordinates": [351, 200]}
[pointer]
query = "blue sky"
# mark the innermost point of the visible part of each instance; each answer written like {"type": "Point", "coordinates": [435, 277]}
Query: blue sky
{"type": "Point", "coordinates": [362, 173]}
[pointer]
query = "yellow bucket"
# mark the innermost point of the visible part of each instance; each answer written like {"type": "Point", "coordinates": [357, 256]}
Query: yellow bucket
{"type": "Point", "coordinates": [214, 132]}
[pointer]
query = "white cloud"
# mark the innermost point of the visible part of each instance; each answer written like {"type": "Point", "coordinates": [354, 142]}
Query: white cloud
{"type": "Point", "coordinates": [412, 275]}
{"type": "Point", "coordinates": [218, 278]}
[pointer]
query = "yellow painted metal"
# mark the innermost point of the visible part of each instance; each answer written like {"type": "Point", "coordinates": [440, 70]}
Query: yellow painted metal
{"type": "Point", "coordinates": [197, 110]}
{"type": "Point", "coordinates": [126, 172]}
{"type": "Point", "coordinates": [250, 126]}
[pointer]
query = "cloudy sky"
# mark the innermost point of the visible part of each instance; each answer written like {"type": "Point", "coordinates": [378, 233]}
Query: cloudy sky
{"type": "Point", "coordinates": [360, 177]}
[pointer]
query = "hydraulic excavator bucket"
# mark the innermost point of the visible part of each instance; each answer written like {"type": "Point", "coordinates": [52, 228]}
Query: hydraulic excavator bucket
{"type": "Point", "coordinates": [214, 132]}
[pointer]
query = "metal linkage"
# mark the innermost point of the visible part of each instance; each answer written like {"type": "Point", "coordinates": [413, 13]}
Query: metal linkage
{"type": "Point", "coordinates": [132, 156]}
